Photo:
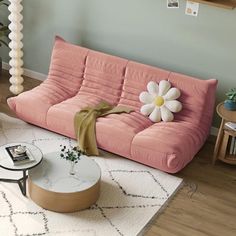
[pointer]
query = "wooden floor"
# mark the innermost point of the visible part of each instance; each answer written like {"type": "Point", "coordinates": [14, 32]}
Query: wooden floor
{"type": "Point", "coordinates": [206, 205]}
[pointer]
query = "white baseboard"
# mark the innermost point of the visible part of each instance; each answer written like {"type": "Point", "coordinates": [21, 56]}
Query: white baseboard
{"type": "Point", "coordinates": [27, 72]}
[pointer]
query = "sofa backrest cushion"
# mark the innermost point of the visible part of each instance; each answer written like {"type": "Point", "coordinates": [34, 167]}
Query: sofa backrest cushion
{"type": "Point", "coordinates": [197, 98]}
{"type": "Point", "coordinates": [67, 65]}
{"type": "Point", "coordinates": [137, 76]}
{"type": "Point", "coordinates": [119, 81]}
{"type": "Point", "coordinates": [104, 76]}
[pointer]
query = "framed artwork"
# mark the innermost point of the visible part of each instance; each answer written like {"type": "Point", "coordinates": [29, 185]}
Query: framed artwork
{"type": "Point", "coordinates": [172, 3]}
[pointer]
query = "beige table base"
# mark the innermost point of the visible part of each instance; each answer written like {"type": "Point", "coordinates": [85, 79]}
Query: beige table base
{"type": "Point", "coordinates": [64, 202]}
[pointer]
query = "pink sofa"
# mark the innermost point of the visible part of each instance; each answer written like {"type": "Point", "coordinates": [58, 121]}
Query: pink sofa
{"type": "Point", "coordinates": [80, 77]}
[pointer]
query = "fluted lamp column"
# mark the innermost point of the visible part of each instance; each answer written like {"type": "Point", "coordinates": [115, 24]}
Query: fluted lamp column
{"type": "Point", "coordinates": [16, 46]}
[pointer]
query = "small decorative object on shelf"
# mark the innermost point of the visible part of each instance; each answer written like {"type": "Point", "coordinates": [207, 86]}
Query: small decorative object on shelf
{"type": "Point", "coordinates": [225, 147]}
{"type": "Point", "coordinates": [230, 103]}
{"type": "Point", "coordinates": [231, 125]}
{"type": "Point", "coordinates": [71, 154]}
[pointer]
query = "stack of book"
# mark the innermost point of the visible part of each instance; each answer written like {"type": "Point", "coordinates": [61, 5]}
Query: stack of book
{"type": "Point", "coordinates": [232, 126]}
{"type": "Point", "coordinates": [19, 155]}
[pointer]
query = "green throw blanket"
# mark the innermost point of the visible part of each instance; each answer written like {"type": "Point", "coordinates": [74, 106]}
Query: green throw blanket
{"type": "Point", "coordinates": [85, 121]}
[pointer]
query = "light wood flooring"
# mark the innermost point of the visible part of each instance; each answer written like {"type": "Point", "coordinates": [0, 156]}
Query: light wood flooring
{"type": "Point", "coordinates": [206, 205]}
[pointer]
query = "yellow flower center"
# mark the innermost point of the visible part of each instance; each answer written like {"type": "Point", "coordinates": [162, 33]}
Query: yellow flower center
{"type": "Point", "coordinates": [159, 101]}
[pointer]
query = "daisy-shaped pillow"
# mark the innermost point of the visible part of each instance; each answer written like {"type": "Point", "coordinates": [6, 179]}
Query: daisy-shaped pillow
{"type": "Point", "coordinates": [160, 101]}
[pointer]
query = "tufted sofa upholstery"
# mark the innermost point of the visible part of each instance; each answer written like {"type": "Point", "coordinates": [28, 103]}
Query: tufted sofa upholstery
{"type": "Point", "coordinates": [80, 77]}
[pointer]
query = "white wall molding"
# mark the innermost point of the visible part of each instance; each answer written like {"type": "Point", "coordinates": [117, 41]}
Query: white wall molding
{"type": "Point", "coordinates": [27, 72]}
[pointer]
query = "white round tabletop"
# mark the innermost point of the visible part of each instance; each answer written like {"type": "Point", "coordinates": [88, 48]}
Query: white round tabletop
{"type": "Point", "coordinates": [53, 174]}
{"type": "Point", "coordinates": [6, 163]}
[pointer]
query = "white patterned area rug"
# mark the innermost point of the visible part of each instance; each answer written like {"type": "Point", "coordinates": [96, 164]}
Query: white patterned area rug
{"type": "Point", "coordinates": [131, 193]}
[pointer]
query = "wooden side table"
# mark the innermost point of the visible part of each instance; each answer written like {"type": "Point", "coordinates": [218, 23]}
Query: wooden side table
{"type": "Point", "coordinates": [221, 150]}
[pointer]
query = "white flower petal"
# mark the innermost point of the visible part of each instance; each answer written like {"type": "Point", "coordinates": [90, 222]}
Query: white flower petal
{"type": "Point", "coordinates": [166, 115]}
{"type": "Point", "coordinates": [172, 94]}
{"type": "Point", "coordinates": [147, 109]}
{"type": "Point", "coordinates": [174, 106]}
{"type": "Point", "coordinates": [164, 86]}
{"type": "Point", "coordinates": [153, 88]}
{"type": "Point", "coordinates": [155, 116]}
{"type": "Point", "coordinates": [145, 97]}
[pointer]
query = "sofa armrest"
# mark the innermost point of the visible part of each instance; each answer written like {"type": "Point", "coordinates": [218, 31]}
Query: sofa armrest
{"type": "Point", "coordinates": [38, 101]}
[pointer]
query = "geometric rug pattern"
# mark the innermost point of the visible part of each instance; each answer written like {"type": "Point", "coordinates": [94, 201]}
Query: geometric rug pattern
{"type": "Point", "coordinates": [131, 193]}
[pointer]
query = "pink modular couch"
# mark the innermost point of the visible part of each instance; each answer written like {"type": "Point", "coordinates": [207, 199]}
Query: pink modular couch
{"type": "Point", "coordinates": [79, 77]}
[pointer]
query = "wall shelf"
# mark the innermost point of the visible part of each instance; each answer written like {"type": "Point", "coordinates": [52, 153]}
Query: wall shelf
{"type": "Point", "coordinates": [227, 4]}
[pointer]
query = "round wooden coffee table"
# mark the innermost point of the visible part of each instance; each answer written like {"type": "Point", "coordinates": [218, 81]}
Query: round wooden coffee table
{"type": "Point", "coordinates": [52, 187]}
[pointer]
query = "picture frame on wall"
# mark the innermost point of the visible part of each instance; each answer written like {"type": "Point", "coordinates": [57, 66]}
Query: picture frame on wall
{"type": "Point", "coordinates": [172, 3]}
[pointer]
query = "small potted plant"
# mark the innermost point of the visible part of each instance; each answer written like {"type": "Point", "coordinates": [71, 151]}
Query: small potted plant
{"type": "Point", "coordinates": [230, 103]}
{"type": "Point", "coordinates": [4, 31]}
{"type": "Point", "coordinates": [71, 154]}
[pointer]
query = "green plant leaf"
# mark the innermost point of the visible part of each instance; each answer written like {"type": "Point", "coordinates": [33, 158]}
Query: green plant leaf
{"type": "Point", "coordinates": [231, 94]}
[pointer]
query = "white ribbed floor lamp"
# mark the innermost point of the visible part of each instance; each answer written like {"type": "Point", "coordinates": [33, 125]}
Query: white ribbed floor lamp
{"type": "Point", "coordinates": [16, 46]}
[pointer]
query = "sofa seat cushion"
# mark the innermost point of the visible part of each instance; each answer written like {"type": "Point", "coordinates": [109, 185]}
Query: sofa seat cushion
{"type": "Point", "coordinates": [60, 117]}
{"type": "Point", "coordinates": [32, 106]}
{"type": "Point", "coordinates": [167, 146]}
{"type": "Point", "coordinates": [115, 132]}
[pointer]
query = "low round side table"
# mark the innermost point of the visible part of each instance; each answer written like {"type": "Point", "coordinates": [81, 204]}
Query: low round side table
{"type": "Point", "coordinates": [220, 150]}
{"type": "Point", "coordinates": [6, 163]}
{"type": "Point", "coordinates": [52, 187]}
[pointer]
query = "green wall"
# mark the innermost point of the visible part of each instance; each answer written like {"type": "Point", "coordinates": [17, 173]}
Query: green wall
{"type": "Point", "coordinates": [141, 30]}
